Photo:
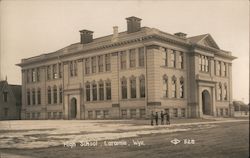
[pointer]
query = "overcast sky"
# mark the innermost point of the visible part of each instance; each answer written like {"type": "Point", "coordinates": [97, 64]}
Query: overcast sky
{"type": "Point", "coordinates": [29, 28]}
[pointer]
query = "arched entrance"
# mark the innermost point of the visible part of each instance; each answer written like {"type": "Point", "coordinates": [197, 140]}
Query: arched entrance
{"type": "Point", "coordinates": [206, 103]}
{"type": "Point", "coordinates": [73, 105]}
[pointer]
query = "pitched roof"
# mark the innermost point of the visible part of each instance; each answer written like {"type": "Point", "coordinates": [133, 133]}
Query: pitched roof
{"type": "Point", "coordinates": [196, 39]}
{"type": "Point", "coordinates": [205, 40]}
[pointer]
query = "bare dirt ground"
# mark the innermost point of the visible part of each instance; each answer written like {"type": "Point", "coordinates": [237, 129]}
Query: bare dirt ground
{"type": "Point", "coordinates": [211, 139]}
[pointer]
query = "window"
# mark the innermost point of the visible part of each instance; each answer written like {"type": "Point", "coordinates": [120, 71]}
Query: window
{"type": "Point", "coordinates": [88, 92]}
{"type": "Point", "coordinates": [87, 66]}
{"type": "Point", "coordinates": [172, 58]}
{"type": "Point", "coordinates": [181, 88]}
{"type": "Point", "coordinates": [124, 88]}
{"type": "Point", "coordinates": [54, 115]}
{"type": "Point", "coordinates": [142, 113]}
{"type": "Point", "coordinates": [38, 74]}
{"type": "Point", "coordinates": [165, 86]}
{"type": "Point", "coordinates": [100, 63]}
{"type": "Point", "coordinates": [54, 70]}
{"type": "Point", "coordinates": [60, 94]}
{"type": "Point", "coordinates": [49, 115]}
{"type": "Point", "coordinates": [5, 96]}
{"type": "Point", "coordinates": [225, 92]}
{"type": "Point", "coordinates": [133, 113]}
{"type": "Point", "coordinates": [132, 62]}
{"type": "Point", "coordinates": [33, 75]}
{"type": "Point", "coordinates": [200, 65]}
{"type": "Point", "coordinates": [98, 114]}
{"type": "Point", "coordinates": [141, 57]}
{"type": "Point", "coordinates": [142, 87]}
{"type": "Point", "coordinates": [101, 91]}
{"type": "Point", "coordinates": [124, 113]}
{"type": "Point", "coordinates": [71, 68]}
{"type": "Point", "coordinates": [218, 68]}
{"type": "Point", "coordinates": [55, 94]}
{"type": "Point", "coordinates": [183, 112]}
{"type": "Point", "coordinates": [108, 90]}
{"type": "Point", "coordinates": [27, 76]}
{"type": "Point", "coordinates": [93, 63]}
{"type": "Point", "coordinates": [90, 114]}
{"type": "Point", "coordinates": [6, 112]}
{"type": "Point", "coordinates": [33, 97]}
{"type": "Point", "coordinates": [206, 65]}
{"type": "Point", "coordinates": [38, 96]}
{"type": "Point", "coordinates": [75, 68]}
{"type": "Point", "coordinates": [123, 60]}
{"type": "Point", "coordinates": [105, 113]}
{"type": "Point", "coordinates": [28, 97]}
{"type": "Point", "coordinates": [107, 62]}
{"type": "Point", "coordinates": [223, 69]}
{"type": "Point", "coordinates": [220, 92]}
{"type": "Point", "coordinates": [94, 91]}
{"type": "Point", "coordinates": [166, 56]}
{"type": "Point", "coordinates": [49, 95]}
{"type": "Point", "coordinates": [133, 87]}
{"type": "Point", "coordinates": [175, 112]}
{"type": "Point", "coordinates": [60, 70]}
{"type": "Point", "coordinates": [27, 116]}
{"type": "Point", "coordinates": [60, 115]}
{"type": "Point", "coordinates": [48, 72]}
{"type": "Point", "coordinates": [173, 83]}
{"type": "Point", "coordinates": [181, 60]}
{"type": "Point", "coordinates": [38, 115]}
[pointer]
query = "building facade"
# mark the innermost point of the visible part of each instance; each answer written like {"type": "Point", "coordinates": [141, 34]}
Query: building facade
{"type": "Point", "coordinates": [10, 101]}
{"type": "Point", "coordinates": [127, 75]}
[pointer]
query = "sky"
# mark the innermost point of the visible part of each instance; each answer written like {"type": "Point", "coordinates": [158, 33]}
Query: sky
{"type": "Point", "coordinates": [29, 28]}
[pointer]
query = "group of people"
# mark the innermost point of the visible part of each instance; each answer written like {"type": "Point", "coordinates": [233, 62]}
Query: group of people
{"type": "Point", "coordinates": [162, 116]}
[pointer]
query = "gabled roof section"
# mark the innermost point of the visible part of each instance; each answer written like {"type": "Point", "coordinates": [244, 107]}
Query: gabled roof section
{"type": "Point", "coordinates": [205, 40]}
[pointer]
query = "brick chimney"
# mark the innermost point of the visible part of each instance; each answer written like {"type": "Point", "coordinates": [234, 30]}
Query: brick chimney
{"type": "Point", "coordinates": [181, 34]}
{"type": "Point", "coordinates": [86, 36]}
{"type": "Point", "coordinates": [133, 24]}
{"type": "Point", "coordinates": [115, 34]}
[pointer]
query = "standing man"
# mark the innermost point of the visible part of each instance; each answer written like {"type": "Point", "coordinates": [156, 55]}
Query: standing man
{"type": "Point", "coordinates": [152, 118]}
{"type": "Point", "coordinates": [162, 118]}
{"type": "Point", "coordinates": [167, 119]}
{"type": "Point", "coordinates": [156, 118]}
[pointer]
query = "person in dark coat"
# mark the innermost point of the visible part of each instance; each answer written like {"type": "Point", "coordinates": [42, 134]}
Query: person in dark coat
{"type": "Point", "coordinates": [167, 119]}
{"type": "Point", "coordinates": [162, 118]}
{"type": "Point", "coordinates": [156, 118]}
{"type": "Point", "coordinates": [152, 118]}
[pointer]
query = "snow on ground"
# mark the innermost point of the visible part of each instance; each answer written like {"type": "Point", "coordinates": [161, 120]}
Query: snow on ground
{"type": "Point", "coordinates": [46, 133]}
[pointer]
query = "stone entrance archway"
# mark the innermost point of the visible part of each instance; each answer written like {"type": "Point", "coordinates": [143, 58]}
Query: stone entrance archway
{"type": "Point", "coordinates": [206, 103]}
{"type": "Point", "coordinates": [73, 108]}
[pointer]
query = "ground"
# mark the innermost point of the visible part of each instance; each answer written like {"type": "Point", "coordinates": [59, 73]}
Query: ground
{"type": "Point", "coordinates": [122, 139]}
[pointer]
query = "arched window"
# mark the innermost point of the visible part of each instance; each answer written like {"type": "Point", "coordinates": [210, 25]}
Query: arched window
{"type": "Point", "coordinates": [55, 94]}
{"type": "Point", "coordinates": [38, 96]}
{"type": "Point", "coordinates": [124, 88]}
{"type": "Point", "coordinates": [142, 86]}
{"type": "Point", "coordinates": [49, 95]}
{"type": "Point", "coordinates": [87, 91]}
{"type": "Point", "coordinates": [133, 87]}
{"type": "Point", "coordinates": [181, 87]}
{"type": "Point", "coordinates": [165, 86]}
{"type": "Point", "coordinates": [173, 84]}
{"type": "Point", "coordinates": [94, 91]}
{"type": "Point", "coordinates": [108, 90]}
{"type": "Point", "coordinates": [33, 97]}
{"type": "Point", "coordinates": [60, 94]}
{"type": "Point", "coordinates": [101, 90]}
{"type": "Point", "coordinates": [28, 97]}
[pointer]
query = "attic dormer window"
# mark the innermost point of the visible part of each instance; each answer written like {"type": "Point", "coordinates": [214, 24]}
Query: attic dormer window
{"type": "Point", "coordinates": [5, 96]}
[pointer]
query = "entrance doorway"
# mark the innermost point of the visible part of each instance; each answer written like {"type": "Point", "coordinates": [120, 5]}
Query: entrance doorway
{"type": "Point", "coordinates": [73, 108]}
{"type": "Point", "coordinates": [206, 103]}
